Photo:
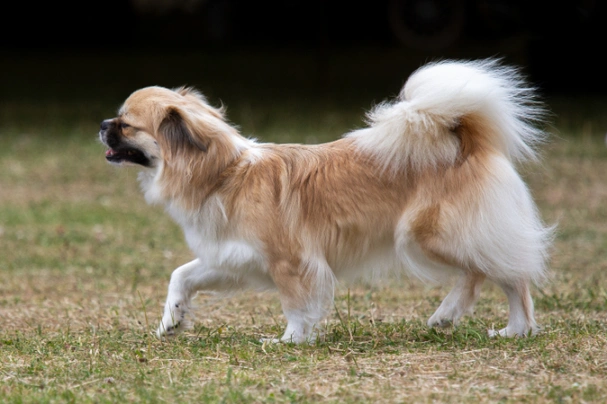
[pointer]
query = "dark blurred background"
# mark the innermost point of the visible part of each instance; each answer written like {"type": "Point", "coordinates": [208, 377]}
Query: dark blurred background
{"type": "Point", "coordinates": [104, 49]}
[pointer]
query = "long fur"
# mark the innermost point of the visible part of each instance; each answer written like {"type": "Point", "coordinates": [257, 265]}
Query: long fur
{"type": "Point", "coordinates": [429, 187]}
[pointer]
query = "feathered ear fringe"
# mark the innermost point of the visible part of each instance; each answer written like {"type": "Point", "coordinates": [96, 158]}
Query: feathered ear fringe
{"type": "Point", "coordinates": [178, 135]}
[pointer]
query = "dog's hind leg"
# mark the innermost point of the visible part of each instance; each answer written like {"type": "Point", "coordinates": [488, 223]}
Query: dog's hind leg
{"type": "Point", "coordinates": [459, 301]}
{"type": "Point", "coordinates": [185, 282]}
{"type": "Point", "coordinates": [521, 321]}
{"type": "Point", "coordinates": [305, 295]}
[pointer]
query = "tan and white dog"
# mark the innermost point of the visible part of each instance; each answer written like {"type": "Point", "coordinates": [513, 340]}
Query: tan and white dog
{"type": "Point", "coordinates": [429, 187]}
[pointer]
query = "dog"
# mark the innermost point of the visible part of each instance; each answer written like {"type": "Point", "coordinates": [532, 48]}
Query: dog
{"type": "Point", "coordinates": [429, 186]}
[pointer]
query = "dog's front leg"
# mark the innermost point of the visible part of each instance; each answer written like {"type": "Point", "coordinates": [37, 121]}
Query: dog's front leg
{"type": "Point", "coordinates": [185, 282]}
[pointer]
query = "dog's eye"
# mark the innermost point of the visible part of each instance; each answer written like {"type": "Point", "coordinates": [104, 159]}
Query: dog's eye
{"type": "Point", "coordinates": [124, 125]}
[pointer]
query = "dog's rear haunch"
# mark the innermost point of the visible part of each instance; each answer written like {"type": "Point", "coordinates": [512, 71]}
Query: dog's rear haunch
{"type": "Point", "coordinates": [429, 187]}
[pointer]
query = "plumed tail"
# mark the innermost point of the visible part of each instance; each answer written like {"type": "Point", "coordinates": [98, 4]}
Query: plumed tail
{"type": "Point", "coordinates": [452, 108]}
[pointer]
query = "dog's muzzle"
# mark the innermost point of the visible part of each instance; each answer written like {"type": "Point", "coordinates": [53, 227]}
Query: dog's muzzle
{"type": "Point", "coordinates": [119, 151]}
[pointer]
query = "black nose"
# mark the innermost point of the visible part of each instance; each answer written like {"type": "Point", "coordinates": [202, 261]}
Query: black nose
{"type": "Point", "coordinates": [105, 125]}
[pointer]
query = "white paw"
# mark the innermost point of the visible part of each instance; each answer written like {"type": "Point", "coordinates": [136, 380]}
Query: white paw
{"type": "Point", "coordinates": [168, 329]}
{"type": "Point", "coordinates": [440, 322]}
{"type": "Point", "coordinates": [443, 320]}
{"type": "Point", "coordinates": [291, 338]}
{"type": "Point", "coordinates": [493, 333]}
{"type": "Point", "coordinates": [509, 333]}
{"type": "Point", "coordinates": [173, 322]}
{"type": "Point", "coordinates": [300, 338]}
{"type": "Point", "coordinates": [266, 341]}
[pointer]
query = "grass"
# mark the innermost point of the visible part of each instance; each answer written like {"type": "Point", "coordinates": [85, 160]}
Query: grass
{"type": "Point", "coordinates": [85, 265]}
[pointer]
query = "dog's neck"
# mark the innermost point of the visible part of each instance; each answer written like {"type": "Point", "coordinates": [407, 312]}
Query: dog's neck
{"type": "Point", "coordinates": [188, 184]}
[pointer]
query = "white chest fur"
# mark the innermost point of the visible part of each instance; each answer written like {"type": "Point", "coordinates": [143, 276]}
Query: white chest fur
{"type": "Point", "coordinates": [207, 232]}
{"type": "Point", "coordinates": [208, 236]}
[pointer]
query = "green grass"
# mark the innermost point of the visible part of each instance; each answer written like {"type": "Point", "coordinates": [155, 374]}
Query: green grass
{"type": "Point", "coordinates": [85, 264]}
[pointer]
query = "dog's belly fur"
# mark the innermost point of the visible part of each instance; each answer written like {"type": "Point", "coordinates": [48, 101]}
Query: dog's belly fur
{"type": "Point", "coordinates": [247, 262]}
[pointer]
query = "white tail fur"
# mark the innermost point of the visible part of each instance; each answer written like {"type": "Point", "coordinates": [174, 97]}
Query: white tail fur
{"type": "Point", "coordinates": [415, 129]}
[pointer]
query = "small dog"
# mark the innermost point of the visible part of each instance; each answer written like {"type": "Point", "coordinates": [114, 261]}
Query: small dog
{"type": "Point", "coordinates": [429, 187]}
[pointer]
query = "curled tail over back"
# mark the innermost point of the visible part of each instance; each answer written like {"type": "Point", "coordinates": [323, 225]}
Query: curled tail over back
{"type": "Point", "coordinates": [450, 108]}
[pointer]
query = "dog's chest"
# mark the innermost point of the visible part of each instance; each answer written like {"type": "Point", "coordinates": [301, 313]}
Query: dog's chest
{"type": "Point", "coordinates": [226, 253]}
{"type": "Point", "coordinates": [210, 240]}
{"type": "Point", "coordinates": [207, 233]}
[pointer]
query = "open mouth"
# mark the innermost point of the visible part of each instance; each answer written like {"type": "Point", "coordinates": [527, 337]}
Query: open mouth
{"type": "Point", "coordinates": [127, 154]}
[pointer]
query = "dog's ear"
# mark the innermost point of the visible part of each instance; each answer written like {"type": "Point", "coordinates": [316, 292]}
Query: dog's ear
{"type": "Point", "coordinates": [179, 134]}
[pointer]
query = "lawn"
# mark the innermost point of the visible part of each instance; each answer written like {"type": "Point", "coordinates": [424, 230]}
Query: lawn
{"type": "Point", "coordinates": [85, 263]}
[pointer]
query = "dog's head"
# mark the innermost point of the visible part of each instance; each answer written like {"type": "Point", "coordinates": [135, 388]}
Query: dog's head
{"type": "Point", "coordinates": [157, 126]}
{"type": "Point", "coordinates": [177, 134]}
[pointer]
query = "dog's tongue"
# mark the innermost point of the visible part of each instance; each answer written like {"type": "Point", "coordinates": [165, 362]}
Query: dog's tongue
{"type": "Point", "coordinates": [110, 152]}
